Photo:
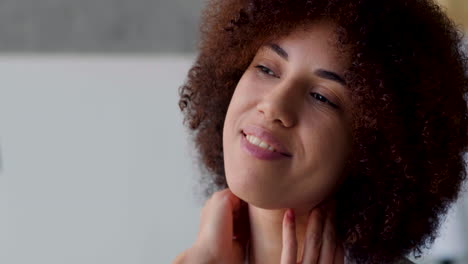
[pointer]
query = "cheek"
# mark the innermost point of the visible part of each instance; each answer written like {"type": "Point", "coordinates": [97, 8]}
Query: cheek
{"type": "Point", "coordinates": [335, 145]}
{"type": "Point", "coordinates": [326, 149]}
{"type": "Point", "coordinates": [325, 162]}
{"type": "Point", "coordinates": [236, 110]}
{"type": "Point", "coordinates": [243, 100]}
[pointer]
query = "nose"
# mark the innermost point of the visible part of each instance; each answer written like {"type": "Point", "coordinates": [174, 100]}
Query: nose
{"type": "Point", "coordinates": [279, 106]}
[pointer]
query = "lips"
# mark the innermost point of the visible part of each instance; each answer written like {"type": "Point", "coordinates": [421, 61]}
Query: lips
{"type": "Point", "coordinates": [266, 136]}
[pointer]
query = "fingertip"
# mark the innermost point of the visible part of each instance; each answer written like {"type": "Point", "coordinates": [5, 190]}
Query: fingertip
{"type": "Point", "coordinates": [225, 195]}
{"type": "Point", "coordinates": [339, 254]}
{"type": "Point", "coordinates": [289, 251]}
{"type": "Point", "coordinates": [313, 238]}
{"type": "Point", "coordinates": [291, 216]}
{"type": "Point", "coordinates": [317, 214]}
{"type": "Point", "coordinates": [222, 194]}
{"type": "Point", "coordinates": [233, 199]}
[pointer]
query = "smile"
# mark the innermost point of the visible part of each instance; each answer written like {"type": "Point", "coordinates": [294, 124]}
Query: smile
{"type": "Point", "coordinates": [258, 142]}
{"type": "Point", "coordinates": [259, 149]}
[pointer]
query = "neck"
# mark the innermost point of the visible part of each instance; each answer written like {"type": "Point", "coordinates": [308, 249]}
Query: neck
{"type": "Point", "coordinates": [266, 234]}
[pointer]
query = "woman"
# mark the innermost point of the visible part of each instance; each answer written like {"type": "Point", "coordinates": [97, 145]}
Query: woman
{"type": "Point", "coordinates": [336, 129]}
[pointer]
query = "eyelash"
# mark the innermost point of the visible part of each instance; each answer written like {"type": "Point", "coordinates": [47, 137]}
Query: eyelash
{"type": "Point", "coordinates": [265, 70]}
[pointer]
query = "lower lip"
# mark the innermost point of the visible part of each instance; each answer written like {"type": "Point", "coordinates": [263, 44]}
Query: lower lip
{"type": "Point", "coordinates": [259, 152]}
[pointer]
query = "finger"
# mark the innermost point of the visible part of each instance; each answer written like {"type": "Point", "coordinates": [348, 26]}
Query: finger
{"type": "Point", "coordinates": [180, 258]}
{"type": "Point", "coordinates": [339, 255]}
{"type": "Point", "coordinates": [242, 223]}
{"type": "Point", "coordinates": [217, 218]}
{"type": "Point", "coordinates": [213, 203]}
{"type": "Point", "coordinates": [289, 250]}
{"type": "Point", "coordinates": [327, 251]}
{"type": "Point", "coordinates": [313, 239]}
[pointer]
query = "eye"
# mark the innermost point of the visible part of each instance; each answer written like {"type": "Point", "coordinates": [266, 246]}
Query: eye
{"type": "Point", "coordinates": [266, 71]}
{"type": "Point", "coordinates": [323, 99]}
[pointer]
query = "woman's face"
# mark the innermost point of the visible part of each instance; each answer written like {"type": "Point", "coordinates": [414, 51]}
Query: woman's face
{"type": "Point", "coordinates": [292, 98]}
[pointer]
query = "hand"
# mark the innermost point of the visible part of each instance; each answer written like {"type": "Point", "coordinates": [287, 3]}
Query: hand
{"type": "Point", "coordinates": [215, 243]}
{"type": "Point", "coordinates": [320, 243]}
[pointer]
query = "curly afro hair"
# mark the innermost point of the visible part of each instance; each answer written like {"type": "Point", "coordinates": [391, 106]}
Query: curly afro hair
{"type": "Point", "coordinates": [408, 80]}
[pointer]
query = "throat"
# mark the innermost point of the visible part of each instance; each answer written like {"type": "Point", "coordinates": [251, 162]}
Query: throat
{"type": "Point", "coordinates": [265, 243]}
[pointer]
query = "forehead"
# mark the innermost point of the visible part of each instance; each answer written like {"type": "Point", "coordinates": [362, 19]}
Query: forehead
{"type": "Point", "coordinates": [314, 44]}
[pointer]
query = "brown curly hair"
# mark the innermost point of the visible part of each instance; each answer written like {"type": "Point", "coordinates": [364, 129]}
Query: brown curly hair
{"type": "Point", "coordinates": [408, 79]}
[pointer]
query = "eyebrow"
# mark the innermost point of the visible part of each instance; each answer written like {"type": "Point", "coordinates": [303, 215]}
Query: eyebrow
{"type": "Point", "coordinates": [329, 75]}
{"type": "Point", "coordinates": [278, 50]}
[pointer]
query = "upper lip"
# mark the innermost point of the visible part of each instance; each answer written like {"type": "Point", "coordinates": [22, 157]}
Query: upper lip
{"type": "Point", "coordinates": [266, 136]}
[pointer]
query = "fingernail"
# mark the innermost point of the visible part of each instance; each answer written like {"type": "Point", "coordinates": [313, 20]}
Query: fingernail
{"type": "Point", "coordinates": [291, 215]}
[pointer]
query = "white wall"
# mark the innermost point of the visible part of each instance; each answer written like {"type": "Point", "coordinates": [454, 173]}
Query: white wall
{"type": "Point", "coordinates": [96, 165]}
{"type": "Point", "coordinates": [95, 161]}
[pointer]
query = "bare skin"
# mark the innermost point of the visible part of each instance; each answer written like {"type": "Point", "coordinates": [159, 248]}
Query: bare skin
{"type": "Point", "coordinates": [292, 235]}
{"type": "Point", "coordinates": [215, 243]}
{"type": "Point", "coordinates": [295, 91]}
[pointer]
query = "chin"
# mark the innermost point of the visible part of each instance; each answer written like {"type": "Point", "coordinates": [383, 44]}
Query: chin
{"type": "Point", "coordinates": [257, 197]}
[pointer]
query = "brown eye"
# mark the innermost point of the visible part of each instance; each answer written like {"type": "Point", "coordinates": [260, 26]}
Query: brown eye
{"type": "Point", "coordinates": [266, 71]}
{"type": "Point", "coordinates": [323, 99]}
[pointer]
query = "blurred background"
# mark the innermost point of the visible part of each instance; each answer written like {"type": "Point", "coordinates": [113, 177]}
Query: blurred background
{"type": "Point", "coordinates": [95, 165]}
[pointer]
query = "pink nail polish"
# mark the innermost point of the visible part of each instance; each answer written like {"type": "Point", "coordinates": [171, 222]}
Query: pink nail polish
{"type": "Point", "coordinates": [291, 215]}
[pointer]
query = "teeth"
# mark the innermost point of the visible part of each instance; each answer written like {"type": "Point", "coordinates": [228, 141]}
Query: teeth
{"type": "Point", "coordinates": [256, 141]}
